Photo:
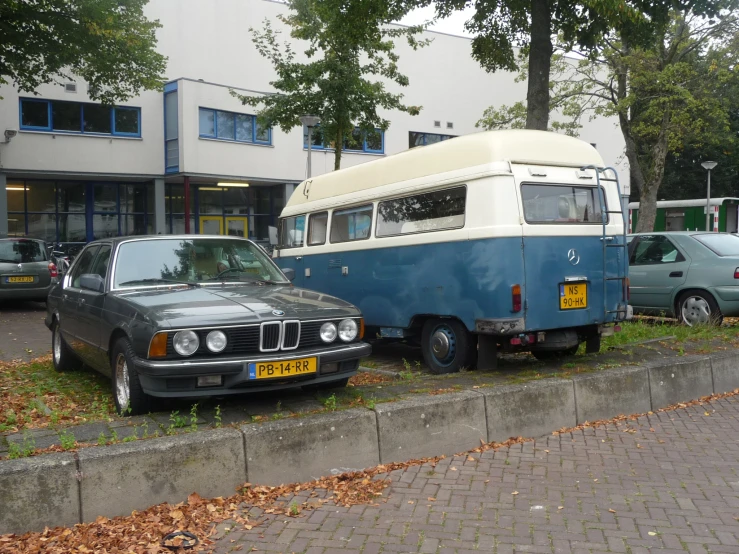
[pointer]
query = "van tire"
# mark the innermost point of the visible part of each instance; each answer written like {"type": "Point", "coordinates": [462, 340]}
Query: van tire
{"type": "Point", "coordinates": [447, 346]}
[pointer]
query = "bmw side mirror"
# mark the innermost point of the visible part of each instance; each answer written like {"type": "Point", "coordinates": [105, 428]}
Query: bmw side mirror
{"type": "Point", "coordinates": [92, 281]}
{"type": "Point", "coordinates": [289, 273]}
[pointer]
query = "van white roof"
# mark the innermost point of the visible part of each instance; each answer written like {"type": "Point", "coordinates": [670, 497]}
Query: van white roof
{"type": "Point", "coordinates": [685, 203]}
{"type": "Point", "coordinates": [478, 149]}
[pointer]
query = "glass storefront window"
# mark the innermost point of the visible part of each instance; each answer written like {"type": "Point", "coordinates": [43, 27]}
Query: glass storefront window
{"type": "Point", "coordinates": [261, 200]}
{"type": "Point", "coordinates": [235, 201]}
{"type": "Point", "coordinates": [133, 225]}
{"type": "Point", "coordinates": [278, 193]}
{"type": "Point", "coordinates": [71, 196]}
{"type": "Point", "coordinates": [42, 226]}
{"type": "Point", "coordinates": [106, 198]}
{"type": "Point", "coordinates": [14, 192]}
{"type": "Point", "coordinates": [133, 198]}
{"type": "Point", "coordinates": [72, 228]}
{"type": "Point", "coordinates": [210, 200]}
{"type": "Point", "coordinates": [104, 226]}
{"type": "Point", "coordinates": [16, 225]}
{"type": "Point", "coordinates": [178, 224]}
{"type": "Point", "coordinates": [258, 227]}
{"type": "Point", "coordinates": [40, 196]}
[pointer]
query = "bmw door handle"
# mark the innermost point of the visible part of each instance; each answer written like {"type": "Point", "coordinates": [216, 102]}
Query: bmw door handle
{"type": "Point", "coordinates": [676, 274]}
{"type": "Point", "coordinates": [82, 300]}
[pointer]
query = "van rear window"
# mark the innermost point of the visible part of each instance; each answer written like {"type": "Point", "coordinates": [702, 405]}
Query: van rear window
{"type": "Point", "coordinates": [560, 204]}
{"type": "Point", "coordinates": [430, 211]}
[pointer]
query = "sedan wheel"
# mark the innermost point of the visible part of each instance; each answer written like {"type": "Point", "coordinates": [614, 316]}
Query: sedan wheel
{"type": "Point", "coordinates": [699, 308]}
{"type": "Point", "coordinates": [129, 397]}
{"type": "Point", "coordinates": [62, 357]}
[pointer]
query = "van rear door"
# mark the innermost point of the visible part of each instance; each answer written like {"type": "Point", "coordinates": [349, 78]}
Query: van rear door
{"type": "Point", "coordinates": [564, 248]}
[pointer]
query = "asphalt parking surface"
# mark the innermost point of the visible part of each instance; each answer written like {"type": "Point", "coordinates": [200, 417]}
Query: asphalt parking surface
{"type": "Point", "coordinates": [23, 335]}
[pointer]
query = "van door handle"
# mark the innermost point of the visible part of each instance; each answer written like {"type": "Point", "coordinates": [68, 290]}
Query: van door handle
{"type": "Point", "coordinates": [676, 274]}
{"type": "Point", "coordinates": [607, 238]}
{"type": "Point", "coordinates": [298, 258]}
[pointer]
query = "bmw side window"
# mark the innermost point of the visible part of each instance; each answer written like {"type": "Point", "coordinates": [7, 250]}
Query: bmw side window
{"type": "Point", "coordinates": [655, 249]}
{"type": "Point", "coordinates": [83, 265]}
{"type": "Point", "coordinates": [102, 262]}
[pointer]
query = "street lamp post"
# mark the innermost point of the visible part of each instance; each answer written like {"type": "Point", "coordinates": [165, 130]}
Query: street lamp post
{"type": "Point", "coordinates": [310, 121]}
{"type": "Point", "coordinates": [709, 166]}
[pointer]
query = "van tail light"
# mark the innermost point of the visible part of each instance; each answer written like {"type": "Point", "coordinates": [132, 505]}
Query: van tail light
{"type": "Point", "coordinates": [736, 273]}
{"type": "Point", "coordinates": [628, 288]}
{"type": "Point", "coordinates": [53, 270]}
{"type": "Point", "coordinates": [516, 297]}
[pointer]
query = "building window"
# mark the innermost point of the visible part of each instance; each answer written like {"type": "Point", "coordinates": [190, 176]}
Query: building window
{"type": "Point", "coordinates": [358, 141]}
{"type": "Point", "coordinates": [79, 118]}
{"type": "Point", "coordinates": [424, 139]}
{"type": "Point", "coordinates": [171, 130]}
{"type": "Point", "coordinates": [237, 127]}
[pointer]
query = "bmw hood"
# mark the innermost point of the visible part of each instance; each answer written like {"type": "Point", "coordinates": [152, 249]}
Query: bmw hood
{"type": "Point", "coordinates": [233, 305]}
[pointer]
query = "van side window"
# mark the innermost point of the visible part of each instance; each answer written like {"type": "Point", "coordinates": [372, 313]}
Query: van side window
{"type": "Point", "coordinates": [317, 227]}
{"type": "Point", "coordinates": [291, 231]}
{"type": "Point", "coordinates": [431, 211]}
{"type": "Point", "coordinates": [351, 224]}
{"type": "Point", "coordinates": [560, 204]}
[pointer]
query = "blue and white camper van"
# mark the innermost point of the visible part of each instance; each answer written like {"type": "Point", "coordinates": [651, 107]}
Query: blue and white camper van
{"type": "Point", "coordinates": [503, 240]}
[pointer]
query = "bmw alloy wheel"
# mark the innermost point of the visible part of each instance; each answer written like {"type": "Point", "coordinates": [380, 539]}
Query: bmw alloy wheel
{"type": "Point", "coordinates": [122, 385]}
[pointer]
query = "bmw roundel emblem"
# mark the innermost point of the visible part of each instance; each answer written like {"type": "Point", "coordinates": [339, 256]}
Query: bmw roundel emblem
{"type": "Point", "coordinates": [278, 312]}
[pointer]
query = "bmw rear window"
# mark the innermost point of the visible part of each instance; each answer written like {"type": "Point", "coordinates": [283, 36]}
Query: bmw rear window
{"type": "Point", "coordinates": [23, 251]}
{"type": "Point", "coordinates": [721, 244]}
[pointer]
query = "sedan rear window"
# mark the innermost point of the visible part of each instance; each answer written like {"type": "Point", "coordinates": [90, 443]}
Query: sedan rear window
{"type": "Point", "coordinates": [22, 251]}
{"type": "Point", "coordinates": [722, 245]}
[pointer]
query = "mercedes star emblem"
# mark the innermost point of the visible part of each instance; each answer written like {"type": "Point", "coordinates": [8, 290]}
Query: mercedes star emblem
{"type": "Point", "coordinates": [573, 256]}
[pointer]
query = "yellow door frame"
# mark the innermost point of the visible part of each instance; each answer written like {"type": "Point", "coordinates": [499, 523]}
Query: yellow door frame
{"type": "Point", "coordinates": [238, 218]}
{"type": "Point", "coordinates": [218, 218]}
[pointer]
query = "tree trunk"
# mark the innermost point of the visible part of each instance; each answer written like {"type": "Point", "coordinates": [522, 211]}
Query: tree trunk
{"type": "Point", "coordinates": [338, 147]}
{"type": "Point", "coordinates": [648, 196]}
{"type": "Point", "coordinates": [540, 61]}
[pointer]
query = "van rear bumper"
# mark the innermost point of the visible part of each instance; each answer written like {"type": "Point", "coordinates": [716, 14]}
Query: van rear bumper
{"type": "Point", "coordinates": [504, 326]}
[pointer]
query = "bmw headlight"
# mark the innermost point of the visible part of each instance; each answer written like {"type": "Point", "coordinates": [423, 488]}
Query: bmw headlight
{"type": "Point", "coordinates": [216, 341]}
{"type": "Point", "coordinates": [348, 330]}
{"type": "Point", "coordinates": [186, 343]}
{"type": "Point", "coordinates": [328, 332]}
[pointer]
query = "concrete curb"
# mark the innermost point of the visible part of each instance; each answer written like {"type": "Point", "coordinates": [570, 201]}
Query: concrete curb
{"type": "Point", "coordinates": [64, 489]}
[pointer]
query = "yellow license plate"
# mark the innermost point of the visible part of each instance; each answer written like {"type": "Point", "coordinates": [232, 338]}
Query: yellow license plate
{"type": "Point", "coordinates": [573, 296]}
{"type": "Point", "coordinates": [283, 368]}
{"type": "Point", "coordinates": [23, 279]}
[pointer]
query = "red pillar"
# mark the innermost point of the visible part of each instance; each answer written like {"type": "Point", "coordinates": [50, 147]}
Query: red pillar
{"type": "Point", "coordinates": [187, 205]}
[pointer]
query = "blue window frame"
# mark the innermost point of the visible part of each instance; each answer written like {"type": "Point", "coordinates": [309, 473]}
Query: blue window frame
{"type": "Point", "coordinates": [358, 141]}
{"type": "Point", "coordinates": [234, 127]}
{"type": "Point", "coordinates": [61, 116]}
{"type": "Point", "coordinates": [424, 139]}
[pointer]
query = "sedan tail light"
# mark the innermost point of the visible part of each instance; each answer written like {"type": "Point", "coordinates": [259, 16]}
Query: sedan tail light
{"type": "Point", "coordinates": [736, 273]}
{"type": "Point", "coordinates": [516, 297]}
{"type": "Point", "coordinates": [52, 270]}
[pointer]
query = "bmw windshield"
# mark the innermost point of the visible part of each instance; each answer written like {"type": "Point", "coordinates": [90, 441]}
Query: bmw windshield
{"type": "Point", "coordinates": [195, 262]}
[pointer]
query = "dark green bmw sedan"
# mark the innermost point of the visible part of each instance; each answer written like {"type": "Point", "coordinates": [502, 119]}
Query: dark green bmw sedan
{"type": "Point", "coordinates": [176, 316]}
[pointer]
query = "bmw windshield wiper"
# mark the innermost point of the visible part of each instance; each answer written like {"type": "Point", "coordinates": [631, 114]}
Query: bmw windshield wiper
{"type": "Point", "coordinates": [158, 280]}
{"type": "Point", "coordinates": [245, 279]}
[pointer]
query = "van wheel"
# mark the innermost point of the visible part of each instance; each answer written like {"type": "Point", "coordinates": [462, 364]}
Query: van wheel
{"type": "Point", "coordinates": [62, 356]}
{"type": "Point", "coordinates": [447, 346]}
{"type": "Point", "coordinates": [547, 355]}
{"type": "Point", "coordinates": [129, 397]}
{"type": "Point", "coordinates": [697, 307]}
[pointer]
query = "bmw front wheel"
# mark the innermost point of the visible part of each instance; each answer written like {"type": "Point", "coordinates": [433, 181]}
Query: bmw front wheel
{"type": "Point", "coordinates": [129, 397]}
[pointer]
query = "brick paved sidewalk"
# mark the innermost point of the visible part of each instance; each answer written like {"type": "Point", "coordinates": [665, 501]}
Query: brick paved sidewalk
{"type": "Point", "coordinates": [665, 483]}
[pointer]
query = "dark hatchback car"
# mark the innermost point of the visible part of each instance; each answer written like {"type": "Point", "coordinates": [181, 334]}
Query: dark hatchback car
{"type": "Point", "coordinates": [26, 271]}
{"type": "Point", "coordinates": [177, 316]}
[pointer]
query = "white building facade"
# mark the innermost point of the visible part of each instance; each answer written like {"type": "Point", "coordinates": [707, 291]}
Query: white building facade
{"type": "Point", "coordinates": [179, 160]}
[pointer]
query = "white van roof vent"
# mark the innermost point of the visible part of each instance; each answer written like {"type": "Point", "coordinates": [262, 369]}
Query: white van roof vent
{"type": "Point", "coordinates": [70, 87]}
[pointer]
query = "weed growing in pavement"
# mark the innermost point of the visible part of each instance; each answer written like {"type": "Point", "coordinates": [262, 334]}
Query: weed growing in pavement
{"type": "Point", "coordinates": [102, 439]}
{"type": "Point", "coordinates": [330, 403]}
{"type": "Point", "coordinates": [22, 450]}
{"type": "Point", "coordinates": [67, 439]}
{"type": "Point", "coordinates": [370, 403]}
{"type": "Point", "coordinates": [130, 438]}
{"type": "Point", "coordinates": [278, 407]}
{"type": "Point", "coordinates": [113, 437]}
{"type": "Point", "coordinates": [217, 417]}
{"type": "Point", "coordinates": [177, 421]}
{"type": "Point", "coordinates": [294, 508]}
{"type": "Point", "coordinates": [194, 417]}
